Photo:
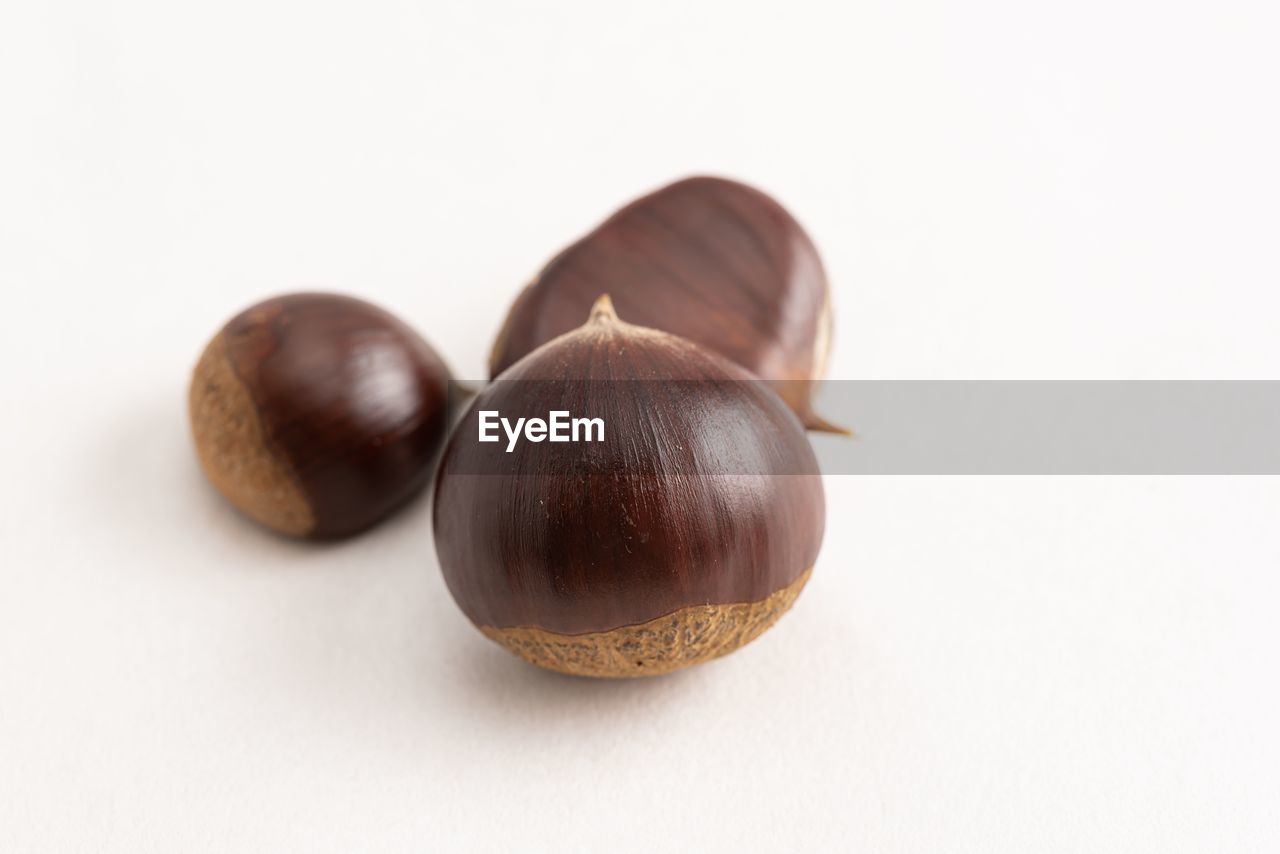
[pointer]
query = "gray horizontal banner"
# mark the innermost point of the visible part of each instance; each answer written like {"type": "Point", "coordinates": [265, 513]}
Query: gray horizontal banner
{"type": "Point", "coordinates": [1048, 427]}
{"type": "Point", "coordinates": [901, 427]}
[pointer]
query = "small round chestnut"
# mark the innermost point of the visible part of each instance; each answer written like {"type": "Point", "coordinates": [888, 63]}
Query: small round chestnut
{"type": "Point", "coordinates": [708, 259]}
{"type": "Point", "coordinates": [678, 531]}
{"type": "Point", "coordinates": [318, 414]}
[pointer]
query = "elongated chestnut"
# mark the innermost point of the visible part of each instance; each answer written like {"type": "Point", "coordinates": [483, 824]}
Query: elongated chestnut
{"type": "Point", "coordinates": [685, 532]}
{"type": "Point", "coordinates": [710, 260]}
{"type": "Point", "coordinates": [317, 414]}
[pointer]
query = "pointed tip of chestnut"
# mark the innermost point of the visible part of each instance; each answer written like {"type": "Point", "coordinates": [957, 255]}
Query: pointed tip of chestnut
{"type": "Point", "coordinates": [816, 423]}
{"type": "Point", "coordinates": [602, 311]}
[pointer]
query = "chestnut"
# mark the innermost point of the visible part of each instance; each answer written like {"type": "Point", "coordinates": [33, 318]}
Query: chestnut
{"type": "Point", "coordinates": [708, 259]}
{"type": "Point", "coordinates": [317, 414]}
{"type": "Point", "coordinates": [680, 537]}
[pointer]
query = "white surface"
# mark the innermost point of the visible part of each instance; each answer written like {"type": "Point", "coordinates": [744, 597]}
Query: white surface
{"type": "Point", "coordinates": [1001, 190]}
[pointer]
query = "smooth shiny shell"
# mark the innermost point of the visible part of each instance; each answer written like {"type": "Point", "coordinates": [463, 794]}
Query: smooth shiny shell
{"type": "Point", "coordinates": [711, 260]}
{"type": "Point", "coordinates": [318, 414]}
{"type": "Point", "coordinates": [705, 493]}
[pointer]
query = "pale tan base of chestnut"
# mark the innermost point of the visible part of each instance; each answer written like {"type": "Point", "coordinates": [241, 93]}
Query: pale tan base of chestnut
{"type": "Point", "coordinates": [233, 448]}
{"type": "Point", "coordinates": [688, 636]}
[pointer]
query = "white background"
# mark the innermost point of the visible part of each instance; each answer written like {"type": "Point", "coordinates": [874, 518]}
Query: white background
{"type": "Point", "coordinates": [1000, 190]}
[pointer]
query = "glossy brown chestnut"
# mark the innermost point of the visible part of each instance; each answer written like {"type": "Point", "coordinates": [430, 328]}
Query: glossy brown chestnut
{"type": "Point", "coordinates": [317, 414]}
{"type": "Point", "coordinates": [708, 259]}
{"type": "Point", "coordinates": [682, 536]}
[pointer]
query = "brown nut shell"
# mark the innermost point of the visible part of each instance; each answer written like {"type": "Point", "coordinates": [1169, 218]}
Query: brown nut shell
{"type": "Point", "coordinates": [317, 414]}
{"type": "Point", "coordinates": [651, 550]}
{"type": "Point", "coordinates": [708, 259]}
{"type": "Point", "coordinates": [689, 636]}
